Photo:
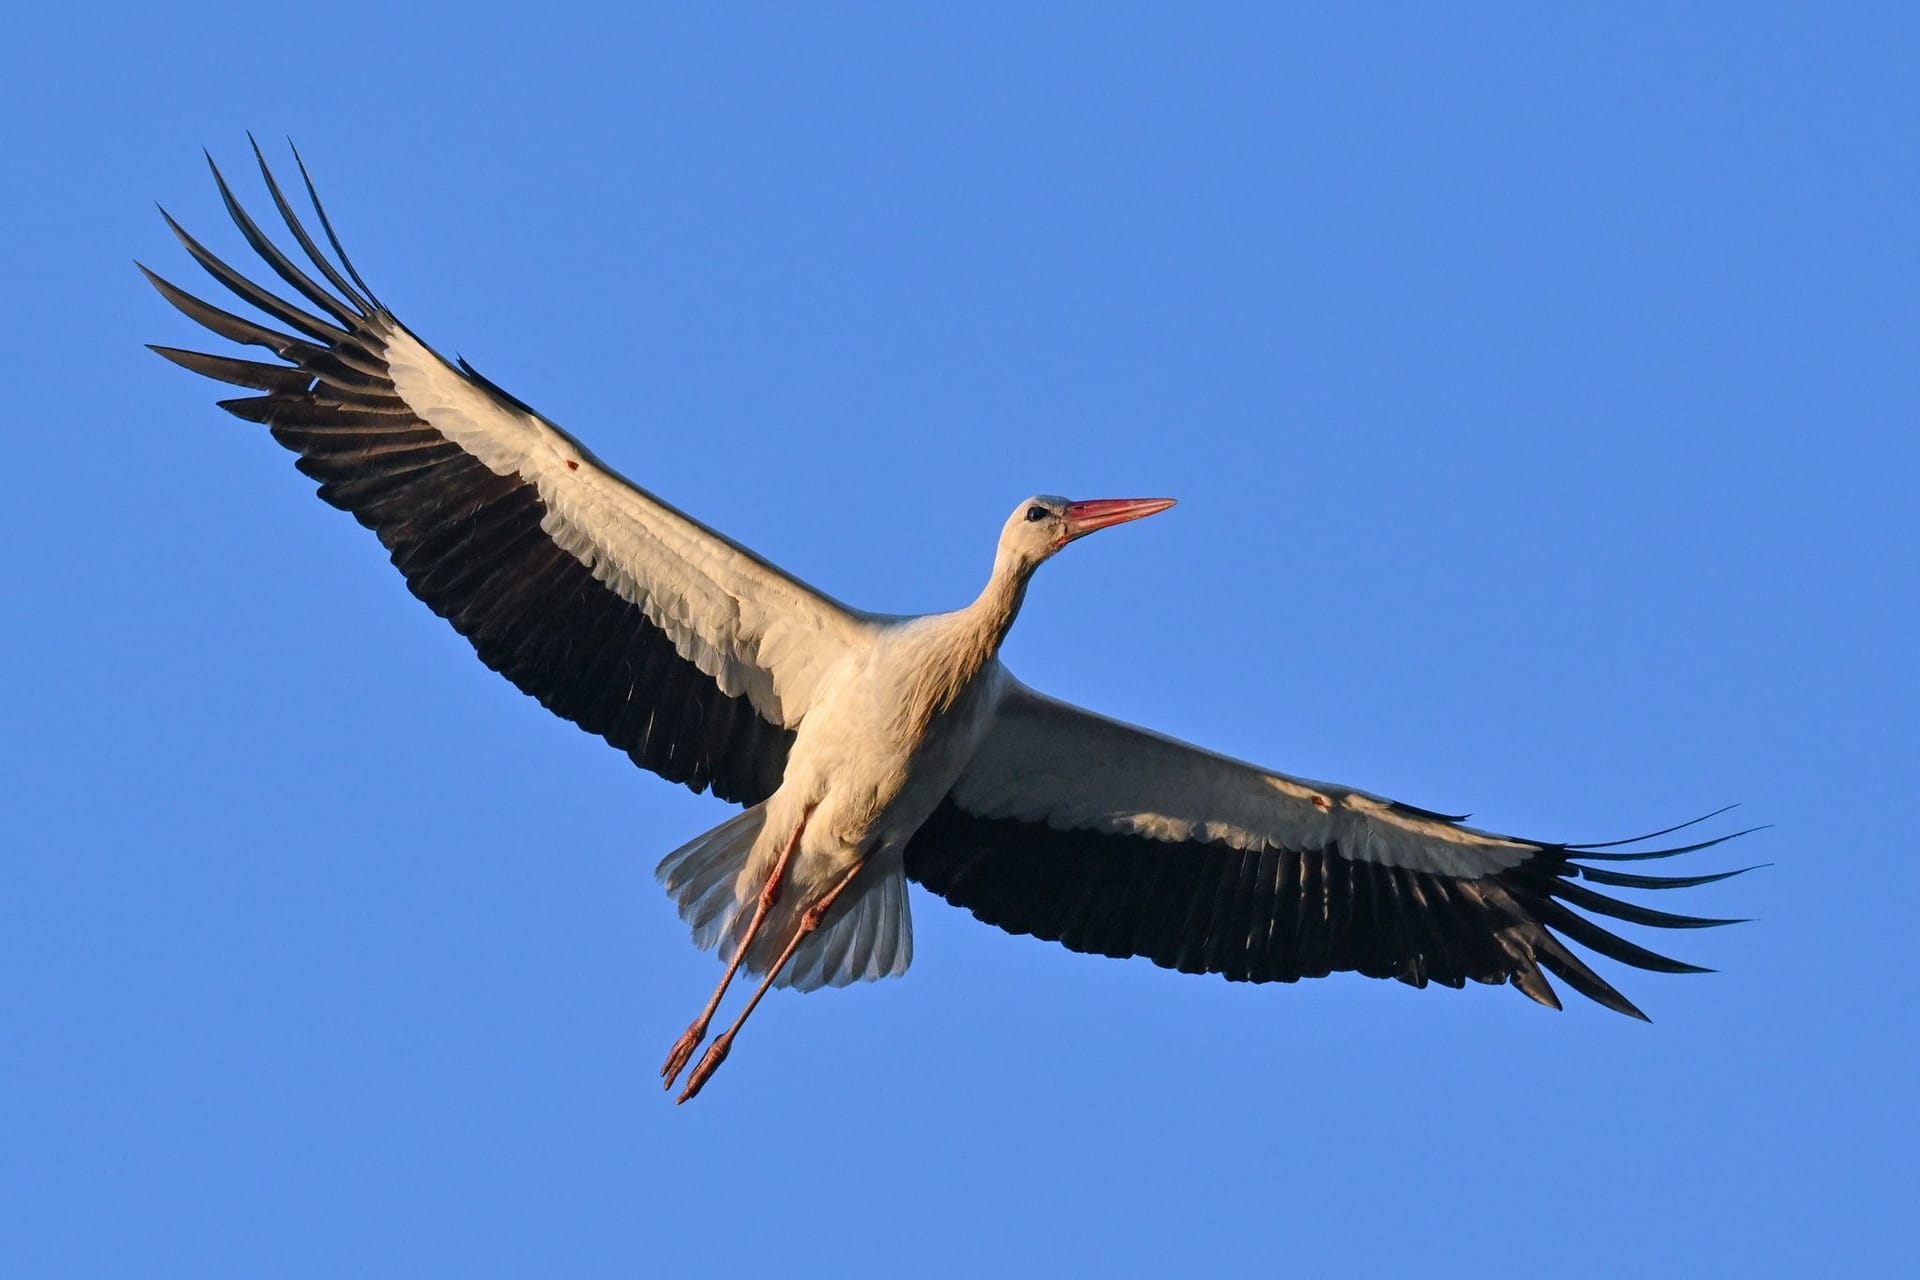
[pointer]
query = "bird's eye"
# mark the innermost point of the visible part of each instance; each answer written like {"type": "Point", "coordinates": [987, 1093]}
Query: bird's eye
{"type": "Point", "coordinates": [1037, 513]}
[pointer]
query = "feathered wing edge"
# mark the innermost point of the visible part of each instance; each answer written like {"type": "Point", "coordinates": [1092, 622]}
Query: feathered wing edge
{"type": "Point", "coordinates": [1278, 915]}
{"type": "Point", "coordinates": [1550, 885]}
{"type": "Point", "coordinates": [471, 543]}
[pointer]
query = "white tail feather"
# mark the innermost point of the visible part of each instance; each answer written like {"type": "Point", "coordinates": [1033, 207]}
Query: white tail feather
{"type": "Point", "coordinates": [867, 935]}
{"type": "Point", "coordinates": [702, 876]}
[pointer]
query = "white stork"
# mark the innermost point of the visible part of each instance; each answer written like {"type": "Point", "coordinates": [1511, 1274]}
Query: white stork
{"type": "Point", "coordinates": [867, 749]}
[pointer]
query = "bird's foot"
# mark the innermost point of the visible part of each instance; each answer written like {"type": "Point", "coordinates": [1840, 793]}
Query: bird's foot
{"type": "Point", "coordinates": [716, 1054]}
{"type": "Point", "coordinates": [682, 1050]}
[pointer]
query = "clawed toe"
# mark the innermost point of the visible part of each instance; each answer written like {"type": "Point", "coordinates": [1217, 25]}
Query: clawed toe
{"type": "Point", "coordinates": [682, 1051]}
{"type": "Point", "coordinates": [716, 1054]}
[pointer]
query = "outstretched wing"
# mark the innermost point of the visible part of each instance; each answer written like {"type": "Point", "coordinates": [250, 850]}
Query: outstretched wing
{"type": "Point", "coordinates": [616, 611]}
{"type": "Point", "coordinates": [1112, 840]}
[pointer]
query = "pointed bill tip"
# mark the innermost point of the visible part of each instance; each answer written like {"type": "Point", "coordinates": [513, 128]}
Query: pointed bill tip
{"type": "Point", "coordinates": [1102, 513]}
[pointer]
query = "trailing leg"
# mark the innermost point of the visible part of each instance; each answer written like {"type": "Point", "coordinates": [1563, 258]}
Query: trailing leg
{"type": "Point", "coordinates": [809, 921]}
{"type": "Point", "coordinates": [769, 895]}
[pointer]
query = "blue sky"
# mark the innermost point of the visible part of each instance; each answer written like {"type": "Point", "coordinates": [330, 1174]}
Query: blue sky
{"type": "Point", "coordinates": [1540, 390]}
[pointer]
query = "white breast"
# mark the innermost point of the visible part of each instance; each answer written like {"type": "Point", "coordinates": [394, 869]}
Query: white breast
{"type": "Point", "coordinates": [893, 730]}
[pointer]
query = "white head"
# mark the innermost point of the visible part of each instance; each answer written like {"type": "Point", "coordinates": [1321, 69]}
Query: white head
{"type": "Point", "coordinates": [1046, 522]}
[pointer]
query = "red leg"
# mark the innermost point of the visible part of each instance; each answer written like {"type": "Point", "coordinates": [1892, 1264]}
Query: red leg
{"type": "Point", "coordinates": [809, 921]}
{"type": "Point", "coordinates": [769, 894]}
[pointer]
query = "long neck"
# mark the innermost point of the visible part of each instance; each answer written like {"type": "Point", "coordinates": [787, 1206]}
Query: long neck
{"type": "Point", "coordinates": [961, 653]}
{"type": "Point", "coordinates": [999, 601]}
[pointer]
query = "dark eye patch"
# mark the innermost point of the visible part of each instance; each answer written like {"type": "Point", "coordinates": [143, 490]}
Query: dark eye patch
{"type": "Point", "coordinates": [1037, 513]}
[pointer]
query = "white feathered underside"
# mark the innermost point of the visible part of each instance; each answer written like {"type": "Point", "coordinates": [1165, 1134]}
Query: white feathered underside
{"type": "Point", "coordinates": [868, 935]}
{"type": "Point", "coordinates": [1047, 761]}
{"type": "Point", "coordinates": [751, 628]}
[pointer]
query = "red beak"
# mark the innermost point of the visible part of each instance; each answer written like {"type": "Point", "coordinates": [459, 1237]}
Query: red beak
{"type": "Point", "coordinates": [1084, 517]}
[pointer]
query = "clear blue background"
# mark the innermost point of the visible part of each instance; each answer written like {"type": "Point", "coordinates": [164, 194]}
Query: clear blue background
{"type": "Point", "coordinates": [1541, 391]}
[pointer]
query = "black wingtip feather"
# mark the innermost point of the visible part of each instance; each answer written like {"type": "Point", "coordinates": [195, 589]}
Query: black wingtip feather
{"type": "Point", "coordinates": [1574, 971]}
{"type": "Point", "coordinates": [326, 225]}
{"type": "Point", "coordinates": [1558, 917]}
{"type": "Point", "coordinates": [1629, 880]}
{"type": "Point", "coordinates": [1600, 904]}
{"type": "Point", "coordinates": [1671, 852]}
{"type": "Point", "coordinates": [1533, 984]}
{"type": "Point", "coordinates": [251, 293]}
{"type": "Point", "coordinates": [1587, 846]}
{"type": "Point", "coordinates": [228, 325]}
{"type": "Point", "coordinates": [300, 235]}
{"type": "Point", "coordinates": [251, 408]}
{"type": "Point", "coordinates": [240, 373]}
{"type": "Point", "coordinates": [270, 254]}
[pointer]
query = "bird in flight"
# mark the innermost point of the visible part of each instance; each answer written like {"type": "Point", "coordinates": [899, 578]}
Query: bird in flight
{"type": "Point", "coordinates": [867, 750]}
